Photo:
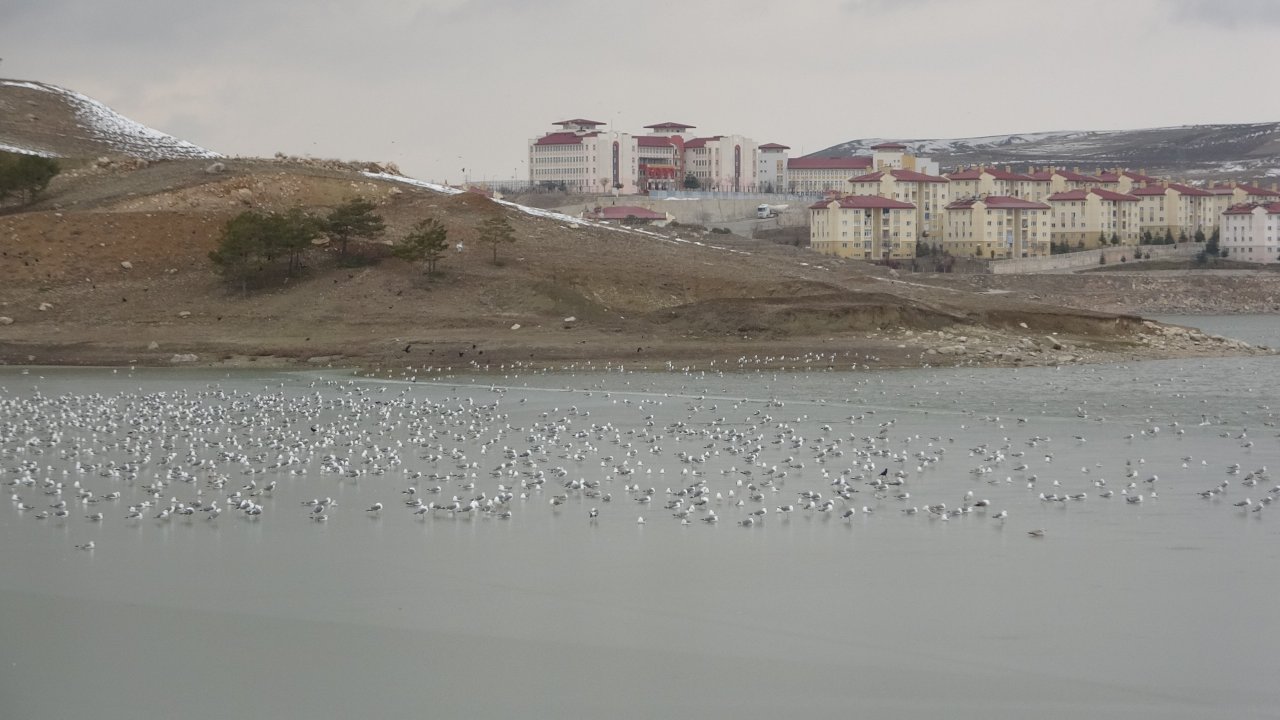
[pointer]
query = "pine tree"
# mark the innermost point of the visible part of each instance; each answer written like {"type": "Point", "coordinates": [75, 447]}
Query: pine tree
{"type": "Point", "coordinates": [351, 220]}
{"type": "Point", "coordinates": [497, 231]}
{"type": "Point", "coordinates": [427, 242]}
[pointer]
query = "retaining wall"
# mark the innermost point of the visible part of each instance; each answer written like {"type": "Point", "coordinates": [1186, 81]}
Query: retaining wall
{"type": "Point", "coordinates": [1089, 258]}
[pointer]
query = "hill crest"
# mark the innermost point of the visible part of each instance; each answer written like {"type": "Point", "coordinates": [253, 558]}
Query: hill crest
{"type": "Point", "coordinates": [43, 119]}
{"type": "Point", "coordinates": [1235, 151]}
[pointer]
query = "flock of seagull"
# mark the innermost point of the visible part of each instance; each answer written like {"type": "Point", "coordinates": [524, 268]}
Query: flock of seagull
{"type": "Point", "coordinates": [428, 451]}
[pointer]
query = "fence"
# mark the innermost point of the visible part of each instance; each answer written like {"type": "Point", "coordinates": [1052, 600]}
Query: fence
{"type": "Point", "coordinates": [1089, 258]}
{"type": "Point", "coordinates": [770, 198]}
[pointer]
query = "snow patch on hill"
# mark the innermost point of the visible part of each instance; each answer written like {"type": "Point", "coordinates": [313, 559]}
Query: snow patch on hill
{"type": "Point", "coordinates": [117, 131]}
{"type": "Point", "coordinates": [24, 151]}
{"type": "Point", "coordinates": [559, 217]}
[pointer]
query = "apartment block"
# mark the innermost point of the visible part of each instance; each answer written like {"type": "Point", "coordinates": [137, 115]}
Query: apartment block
{"type": "Point", "coordinates": [864, 227]}
{"type": "Point", "coordinates": [997, 226]}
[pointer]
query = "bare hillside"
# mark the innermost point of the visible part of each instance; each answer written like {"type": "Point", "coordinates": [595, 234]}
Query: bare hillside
{"type": "Point", "coordinates": [1241, 151]}
{"type": "Point", "coordinates": [42, 119]}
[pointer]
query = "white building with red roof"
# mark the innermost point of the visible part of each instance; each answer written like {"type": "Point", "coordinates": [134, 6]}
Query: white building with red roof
{"type": "Point", "coordinates": [824, 174]}
{"type": "Point", "coordinates": [1250, 232]}
{"type": "Point", "coordinates": [997, 226]}
{"type": "Point", "coordinates": [865, 227]}
{"type": "Point", "coordinates": [722, 162]}
{"type": "Point", "coordinates": [660, 162]}
{"type": "Point", "coordinates": [586, 156]}
{"type": "Point", "coordinates": [580, 157]}
{"type": "Point", "coordinates": [929, 193]}
{"type": "Point", "coordinates": [771, 174]}
{"type": "Point", "coordinates": [1089, 218]}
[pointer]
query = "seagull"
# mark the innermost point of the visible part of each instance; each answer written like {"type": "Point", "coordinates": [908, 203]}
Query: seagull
{"type": "Point", "coordinates": [87, 546]}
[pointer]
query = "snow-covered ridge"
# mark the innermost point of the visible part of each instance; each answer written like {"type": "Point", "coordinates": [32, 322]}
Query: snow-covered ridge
{"type": "Point", "coordinates": [1210, 151]}
{"type": "Point", "coordinates": [117, 131]}
{"type": "Point", "coordinates": [941, 145]}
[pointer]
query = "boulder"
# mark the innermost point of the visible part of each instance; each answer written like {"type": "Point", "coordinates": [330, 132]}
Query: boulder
{"type": "Point", "coordinates": [153, 345]}
{"type": "Point", "coordinates": [184, 314]}
{"type": "Point", "coordinates": [6, 321]}
{"type": "Point", "coordinates": [215, 168]}
{"type": "Point", "coordinates": [126, 265]}
{"type": "Point", "coordinates": [184, 358]}
{"type": "Point", "coordinates": [44, 307]}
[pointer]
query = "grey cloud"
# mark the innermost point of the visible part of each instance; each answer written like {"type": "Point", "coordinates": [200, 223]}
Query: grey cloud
{"type": "Point", "coordinates": [1226, 13]}
{"type": "Point", "coordinates": [883, 6]}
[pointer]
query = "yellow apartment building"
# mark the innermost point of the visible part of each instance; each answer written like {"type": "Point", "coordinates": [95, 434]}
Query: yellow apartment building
{"type": "Point", "coordinates": [864, 227]}
{"type": "Point", "coordinates": [1227, 196]}
{"type": "Point", "coordinates": [1083, 218]}
{"type": "Point", "coordinates": [1176, 208]}
{"type": "Point", "coordinates": [997, 226]}
{"type": "Point", "coordinates": [984, 181]}
{"type": "Point", "coordinates": [929, 193]}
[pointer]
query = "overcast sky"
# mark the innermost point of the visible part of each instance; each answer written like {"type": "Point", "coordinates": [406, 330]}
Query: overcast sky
{"type": "Point", "coordinates": [439, 85]}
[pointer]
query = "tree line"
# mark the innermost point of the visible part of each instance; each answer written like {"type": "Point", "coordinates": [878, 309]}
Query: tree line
{"type": "Point", "coordinates": [257, 244]}
{"type": "Point", "coordinates": [25, 176]}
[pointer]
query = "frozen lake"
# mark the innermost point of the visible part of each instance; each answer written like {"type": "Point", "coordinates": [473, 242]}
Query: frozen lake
{"type": "Point", "coordinates": [1160, 608]}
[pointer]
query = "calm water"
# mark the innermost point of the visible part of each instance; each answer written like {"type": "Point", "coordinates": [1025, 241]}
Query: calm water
{"type": "Point", "coordinates": [1164, 608]}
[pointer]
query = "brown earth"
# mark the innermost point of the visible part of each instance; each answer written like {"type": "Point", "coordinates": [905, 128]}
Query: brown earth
{"type": "Point", "coordinates": [683, 297]}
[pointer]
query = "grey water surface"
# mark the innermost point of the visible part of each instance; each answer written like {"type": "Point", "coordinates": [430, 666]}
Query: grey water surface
{"type": "Point", "coordinates": [1164, 608]}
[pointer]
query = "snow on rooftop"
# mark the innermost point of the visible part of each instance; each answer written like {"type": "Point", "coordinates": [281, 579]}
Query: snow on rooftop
{"type": "Point", "coordinates": [116, 130]}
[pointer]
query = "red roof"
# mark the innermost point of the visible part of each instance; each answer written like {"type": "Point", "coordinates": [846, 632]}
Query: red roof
{"type": "Point", "coordinates": [1069, 175]}
{"type": "Point", "coordinates": [701, 142]}
{"type": "Point", "coordinates": [889, 146]}
{"type": "Point", "coordinates": [1000, 202]}
{"type": "Point", "coordinates": [864, 202]}
{"type": "Point", "coordinates": [563, 138]}
{"type": "Point", "coordinates": [654, 141]}
{"type": "Point", "coordinates": [578, 121]}
{"type": "Point", "coordinates": [1100, 192]}
{"type": "Point", "coordinates": [1259, 191]}
{"type": "Point", "coordinates": [622, 212]}
{"type": "Point", "coordinates": [1110, 177]}
{"type": "Point", "coordinates": [1248, 208]}
{"type": "Point", "coordinates": [903, 175]}
{"type": "Point", "coordinates": [670, 126]}
{"type": "Point", "coordinates": [774, 146]}
{"type": "Point", "coordinates": [996, 173]}
{"type": "Point", "coordinates": [1150, 190]}
{"type": "Point", "coordinates": [829, 163]}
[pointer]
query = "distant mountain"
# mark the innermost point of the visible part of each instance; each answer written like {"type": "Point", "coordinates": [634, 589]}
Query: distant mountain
{"type": "Point", "coordinates": [42, 119]}
{"type": "Point", "coordinates": [1246, 151]}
